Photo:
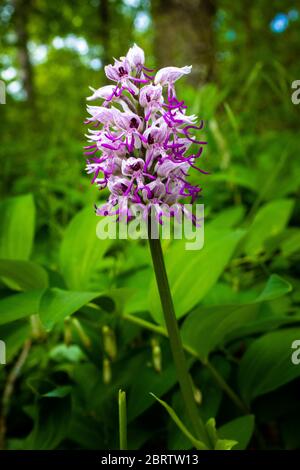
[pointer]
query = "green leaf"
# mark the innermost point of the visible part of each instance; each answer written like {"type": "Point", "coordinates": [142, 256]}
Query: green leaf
{"type": "Point", "coordinates": [275, 287]}
{"type": "Point", "coordinates": [236, 175]}
{"type": "Point", "coordinates": [14, 334]}
{"type": "Point", "coordinates": [139, 399]}
{"type": "Point", "coordinates": [81, 251]}
{"type": "Point", "coordinates": [263, 324]}
{"type": "Point", "coordinates": [269, 221]}
{"type": "Point", "coordinates": [59, 392]}
{"type": "Point", "coordinates": [225, 444]}
{"type": "Point", "coordinates": [196, 443]}
{"type": "Point", "coordinates": [19, 306]}
{"type": "Point", "coordinates": [23, 275]}
{"type": "Point", "coordinates": [240, 430]}
{"type": "Point", "coordinates": [291, 244]}
{"type": "Point", "coordinates": [218, 444]}
{"type": "Point", "coordinates": [64, 353]}
{"type": "Point", "coordinates": [207, 327]}
{"type": "Point", "coordinates": [17, 215]}
{"type": "Point", "coordinates": [51, 425]}
{"type": "Point", "coordinates": [57, 304]}
{"type": "Point", "coordinates": [267, 364]}
{"type": "Point", "coordinates": [228, 217]}
{"type": "Point", "coordinates": [209, 263]}
{"type": "Point", "coordinates": [211, 430]}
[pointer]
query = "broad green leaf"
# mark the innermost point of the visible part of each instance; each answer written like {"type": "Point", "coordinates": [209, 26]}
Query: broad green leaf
{"type": "Point", "coordinates": [240, 430]}
{"type": "Point", "coordinates": [261, 325]}
{"type": "Point", "coordinates": [81, 251]}
{"type": "Point", "coordinates": [23, 275]}
{"type": "Point", "coordinates": [139, 399]}
{"type": "Point", "coordinates": [192, 273]}
{"type": "Point", "coordinates": [51, 424]}
{"type": "Point", "coordinates": [275, 287]}
{"type": "Point", "coordinates": [237, 175]}
{"type": "Point", "coordinates": [59, 392]}
{"type": "Point", "coordinates": [57, 304]}
{"type": "Point", "coordinates": [17, 215]}
{"type": "Point", "coordinates": [225, 444]}
{"type": "Point", "coordinates": [19, 306]}
{"type": "Point", "coordinates": [196, 443]}
{"type": "Point", "coordinates": [227, 217]}
{"type": "Point", "coordinates": [267, 364]}
{"type": "Point", "coordinates": [138, 284]}
{"type": "Point", "coordinates": [218, 444]}
{"type": "Point", "coordinates": [64, 353]}
{"type": "Point", "coordinates": [291, 244]}
{"type": "Point", "coordinates": [269, 221]}
{"type": "Point", "coordinates": [207, 327]}
{"type": "Point", "coordinates": [14, 334]}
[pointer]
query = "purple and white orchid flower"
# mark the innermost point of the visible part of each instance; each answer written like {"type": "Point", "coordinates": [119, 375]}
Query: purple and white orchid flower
{"type": "Point", "coordinates": [142, 145]}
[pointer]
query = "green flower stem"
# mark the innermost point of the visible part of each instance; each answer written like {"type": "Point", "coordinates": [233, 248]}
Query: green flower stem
{"type": "Point", "coordinates": [183, 376]}
{"type": "Point", "coordinates": [122, 420]}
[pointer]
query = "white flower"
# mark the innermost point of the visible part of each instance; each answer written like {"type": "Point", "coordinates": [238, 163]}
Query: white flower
{"type": "Point", "coordinates": [171, 74]}
{"type": "Point", "coordinates": [104, 92]}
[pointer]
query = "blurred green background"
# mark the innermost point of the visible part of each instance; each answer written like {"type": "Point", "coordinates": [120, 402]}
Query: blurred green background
{"type": "Point", "coordinates": [239, 296]}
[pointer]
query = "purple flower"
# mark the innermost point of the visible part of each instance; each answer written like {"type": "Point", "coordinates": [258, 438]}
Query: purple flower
{"type": "Point", "coordinates": [143, 142]}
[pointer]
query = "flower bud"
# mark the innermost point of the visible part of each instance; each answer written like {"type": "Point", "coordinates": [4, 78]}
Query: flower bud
{"type": "Point", "coordinates": [156, 355]}
{"type": "Point", "coordinates": [136, 56]}
{"type": "Point", "coordinates": [109, 342]}
{"type": "Point", "coordinates": [106, 371]}
{"type": "Point", "coordinates": [81, 333]}
{"type": "Point", "coordinates": [67, 331]}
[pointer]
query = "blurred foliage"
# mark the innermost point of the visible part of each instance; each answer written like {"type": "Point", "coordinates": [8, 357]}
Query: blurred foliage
{"type": "Point", "coordinates": [81, 316]}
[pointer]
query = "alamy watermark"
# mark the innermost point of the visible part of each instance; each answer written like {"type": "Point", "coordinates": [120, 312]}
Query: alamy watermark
{"type": "Point", "coordinates": [167, 223]}
{"type": "Point", "coordinates": [2, 352]}
{"type": "Point", "coordinates": [296, 94]}
{"type": "Point", "coordinates": [2, 92]}
{"type": "Point", "coordinates": [295, 358]}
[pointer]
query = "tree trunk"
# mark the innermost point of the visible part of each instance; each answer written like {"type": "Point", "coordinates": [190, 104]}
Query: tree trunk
{"type": "Point", "coordinates": [184, 36]}
{"type": "Point", "coordinates": [21, 17]}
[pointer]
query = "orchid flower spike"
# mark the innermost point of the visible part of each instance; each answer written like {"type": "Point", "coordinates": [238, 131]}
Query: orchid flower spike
{"type": "Point", "coordinates": [141, 142]}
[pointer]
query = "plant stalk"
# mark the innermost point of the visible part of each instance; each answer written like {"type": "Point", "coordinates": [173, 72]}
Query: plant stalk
{"type": "Point", "coordinates": [183, 375]}
{"type": "Point", "coordinates": [122, 420]}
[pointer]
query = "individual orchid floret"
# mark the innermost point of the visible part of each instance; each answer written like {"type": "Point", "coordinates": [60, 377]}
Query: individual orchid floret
{"type": "Point", "coordinates": [136, 57]}
{"type": "Point", "coordinates": [105, 93]}
{"type": "Point", "coordinates": [171, 74]}
{"type": "Point", "coordinates": [155, 134]}
{"type": "Point", "coordinates": [151, 99]}
{"type": "Point", "coordinates": [143, 143]}
{"type": "Point", "coordinates": [120, 73]}
{"type": "Point", "coordinates": [101, 114]}
{"type": "Point", "coordinates": [109, 93]}
{"type": "Point", "coordinates": [131, 166]}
